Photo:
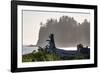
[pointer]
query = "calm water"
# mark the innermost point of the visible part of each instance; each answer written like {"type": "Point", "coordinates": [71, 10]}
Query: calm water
{"type": "Point", "coordinates": [27, 50]}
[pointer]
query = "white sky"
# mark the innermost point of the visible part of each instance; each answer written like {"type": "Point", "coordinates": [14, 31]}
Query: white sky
{"type": "Point", "coordinates": [32, 19]}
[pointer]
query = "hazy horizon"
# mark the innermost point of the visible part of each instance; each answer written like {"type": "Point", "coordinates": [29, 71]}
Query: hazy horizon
{"type": "Point", "coordinates": [32, 20]}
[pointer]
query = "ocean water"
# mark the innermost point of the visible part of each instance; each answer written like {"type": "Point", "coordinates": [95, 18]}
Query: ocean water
{"type": "Point", "coordinates": [68, 48]}
{"type": "Point", "coordinates": [27, 50]}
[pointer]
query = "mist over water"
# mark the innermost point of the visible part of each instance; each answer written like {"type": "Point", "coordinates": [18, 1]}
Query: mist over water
{"type": "Point", "coordinates": [68, 33]}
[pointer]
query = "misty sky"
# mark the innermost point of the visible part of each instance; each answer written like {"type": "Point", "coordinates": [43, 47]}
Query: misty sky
{"type": "Point", "coordinates": [32, 20]}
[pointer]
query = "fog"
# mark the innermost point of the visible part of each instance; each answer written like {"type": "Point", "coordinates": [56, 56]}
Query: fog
{"type": "Point", "coordinates": [67, 32]}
